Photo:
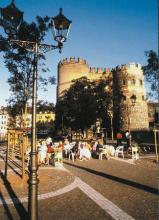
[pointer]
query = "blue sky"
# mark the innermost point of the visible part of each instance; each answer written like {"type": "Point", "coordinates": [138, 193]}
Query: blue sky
{"type": "Point", "coordinates": [106, 33]}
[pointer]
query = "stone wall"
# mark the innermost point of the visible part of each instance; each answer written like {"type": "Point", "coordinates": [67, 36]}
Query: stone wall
{"type": "Point", "coordinates": [72, 69]}
{"type": "Point", "coordinates": [131, 82]}
{"type": "Point", "coordinates": [129, 78]}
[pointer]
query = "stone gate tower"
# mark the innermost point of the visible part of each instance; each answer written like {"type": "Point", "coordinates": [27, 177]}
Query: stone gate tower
{"type": "Point", "coordinates": [73, 69]}
{"type": "Point", "coordinates": [130, 80]}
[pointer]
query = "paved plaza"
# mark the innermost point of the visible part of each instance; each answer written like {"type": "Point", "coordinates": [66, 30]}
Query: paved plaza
{"type": "Point", "coordinates": [96, 189]}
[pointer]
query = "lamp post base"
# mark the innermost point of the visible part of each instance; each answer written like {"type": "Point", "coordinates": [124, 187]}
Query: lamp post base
{"type": "Point", "coordinates": [33, 189]}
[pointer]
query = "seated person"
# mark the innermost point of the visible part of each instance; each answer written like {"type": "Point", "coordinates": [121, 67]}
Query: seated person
{"type": "Point", "coordinates": [48, 141]}
{"type": "Point", "coordinates": [50, 152]}
{"type": "Point", "coordinates": [66, 146]}
{"type": "Point", "coordinates": [74, 150]}
{"type": "Point", "coordinates": [42, 151]}
{"type": "Point", "coordinates": [85, 153]}
{"type": "Point", "coordinates": [99, 146]}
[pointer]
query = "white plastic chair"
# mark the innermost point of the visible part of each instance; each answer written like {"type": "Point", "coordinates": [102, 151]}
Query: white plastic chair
{"type": "Point", "coordinates": [119, 151]}
{"type": "Point", "coordinates": [135, 153]}
{"type": "Point", "coordinates": [71, 155]}
{"type": "Point", "coordinates": [58, 159]}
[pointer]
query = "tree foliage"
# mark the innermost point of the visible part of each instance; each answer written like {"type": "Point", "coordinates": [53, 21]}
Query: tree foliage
{"type": "Point", "coordinates": [20, 61]}
{"type": "Point", "coordinates": [43, 106]}
{"type": "Point", "coordinates": [47, 125]}
{"type": "Point", "coordinates": [151, 71]}
{"type": "Point", "coordinates": [83, 103]}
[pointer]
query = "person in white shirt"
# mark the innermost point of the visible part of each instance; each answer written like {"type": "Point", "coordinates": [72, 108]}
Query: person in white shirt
{"type": "Point", "coordinates": [42, 151]}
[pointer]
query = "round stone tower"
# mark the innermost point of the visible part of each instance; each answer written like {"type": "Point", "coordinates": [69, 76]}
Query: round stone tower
{"type": "Point", "coordinates": [73, 69]}
{"type": "Point", "coordinates": [69, 70]}
{"type": "Point", "coordinates": [130, 80]}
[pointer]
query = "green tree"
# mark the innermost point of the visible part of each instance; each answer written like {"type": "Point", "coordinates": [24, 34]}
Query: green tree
{"type": "Point", "coordinates": [83, 103]}
{"type": "Point", "coordinates": [48, 125]}
{"type": "Point", "coordinates": [43, 106]}
{"type": "Point", "coordinates": [151, 71]}
{"type": "Point", "coordinates": [19, 62]}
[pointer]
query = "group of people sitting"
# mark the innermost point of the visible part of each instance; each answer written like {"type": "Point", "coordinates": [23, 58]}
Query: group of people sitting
{"type": "Point", "coordinates": [81, 150]}
{"type": "Point", "coordinates": [84, 150]}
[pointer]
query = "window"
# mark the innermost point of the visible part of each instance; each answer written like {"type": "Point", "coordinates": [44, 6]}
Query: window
{"type": "Point", "coordinates": [124, 82]}
{"type": "Point", "coordinates": [143, 98]}
{"type": "Point", "coordinates": [141, 83]}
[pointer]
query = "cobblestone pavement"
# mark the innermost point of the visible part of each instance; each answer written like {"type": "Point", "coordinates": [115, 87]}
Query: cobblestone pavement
{"type": "Point", "coordinates": [107, 189]}
{"type": "Point", "coordinates": [131, 187]}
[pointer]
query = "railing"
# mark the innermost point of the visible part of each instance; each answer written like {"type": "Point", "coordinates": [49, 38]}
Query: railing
{"type": "Point", "coordinates": [16, 148]}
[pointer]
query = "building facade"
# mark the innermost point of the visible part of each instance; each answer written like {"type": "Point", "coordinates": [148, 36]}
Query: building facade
{"type": "Point", "coordinates": [42, 117]}
{"type": "Point", "coordinates": [4, 117]}
{"type": "Point", "coordinates": [128, 78]}
{"type": "Point", "coordinates": [45, 117]}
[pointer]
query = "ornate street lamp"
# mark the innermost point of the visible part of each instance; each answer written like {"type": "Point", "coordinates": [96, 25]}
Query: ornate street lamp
{"type": "Point", "coordinates": [129, 110]}
{"type": "Point", "coordinates": [60, 26]}
{"type": "Point", "coordinates": [132, 104]}
{"type": "Point", "coordinates": [11, 19]}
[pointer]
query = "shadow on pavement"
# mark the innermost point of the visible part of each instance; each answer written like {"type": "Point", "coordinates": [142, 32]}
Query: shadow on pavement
{"type": "Point", "coordinates": [14, 168]}
{"type": "Point", "coordinates": [10, 217]}
{"type": "Point", "coordinates": [16, 202]}
{"type": "Point", "coordinates": [118, 179]}
{"type": "Point", "coordinates": [2, 156]}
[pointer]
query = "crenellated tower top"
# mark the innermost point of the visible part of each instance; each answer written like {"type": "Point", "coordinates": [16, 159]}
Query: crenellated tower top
{"type": "Point", "coordinates": [72, 60]}
{"type": "Point", "coordinates": [81, 61]}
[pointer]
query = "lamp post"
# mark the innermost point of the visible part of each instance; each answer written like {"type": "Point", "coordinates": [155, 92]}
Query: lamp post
{"type": "Point", "coordinates": [98, 127]}
{"type": "Point", "coordinates": [11, 19]}
{"type": "Point", "coordinates": [110, 113]}
{"type": "Point", "coordinates": [129, 110]}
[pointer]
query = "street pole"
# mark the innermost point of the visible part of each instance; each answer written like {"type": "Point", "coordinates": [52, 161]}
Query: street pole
{"type": "Point", "coordinates": [133, 101]}
{"type": "Point", "coordinates": [111, 120]}
{"type": "Point", "coordinates": [110, 113]}
{"type": "Point", "coordinates": [129, 112]}
{"type": "Point", "coordinates": [33, 177]}
{"type": "Point", "coordinates": [11, 19]}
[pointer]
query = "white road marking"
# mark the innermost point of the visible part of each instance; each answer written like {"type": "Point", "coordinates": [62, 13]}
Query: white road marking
{"type": "Point", "coordinates": [41, 196]}
{"type": "Point", "coordinates": [113, 210]}
{"type": "Point", "coordinates": [105, 204]}
{"type": "Point", "coordinates": [100, 200]}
